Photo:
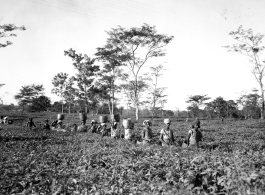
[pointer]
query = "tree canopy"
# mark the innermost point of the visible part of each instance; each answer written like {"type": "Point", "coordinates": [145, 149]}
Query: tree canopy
{"type": "Point", "coordinates": [249, 44]}
{"type": "Point", "coordinates": [6, 31]}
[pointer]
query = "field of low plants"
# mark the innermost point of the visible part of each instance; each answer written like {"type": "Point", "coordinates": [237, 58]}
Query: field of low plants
{"type": "Point", "coordinates": [231, 160]}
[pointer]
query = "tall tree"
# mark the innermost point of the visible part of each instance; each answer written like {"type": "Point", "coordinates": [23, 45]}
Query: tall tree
{"type": "Point", "coordinates": [63, 87]}
{"type": "Point", "coordinates": [250, 104]}
{"type": "Point", "coordinates": [249, 44]}
{"type": "Point", "coordinates": [156, 93]}
{"type": "Point", "coordinates": [196, 102]}
{"type": "Point", "coordinates": [218, 106]}
{"type": "Point", "coordinates": [135, 46]}
{"type": "Point", "coordinates": [1, 85]}
{"type": "Point", "coordinates": [110, 73]}
{"type": "Point", "coordinates": [231, 108]}
{"type": "Point", "coordinates": [27, 93]}
{"type": "Point", "coordinates": [128, 90]}
{"type": "Point", "coordinates": [70, 93]}
{"type": "Point", "coordinates": [59, 83]}
{"type": "Point", "coordinates": [41, 103]}
{"type": "Point", "coordinates": [6, 31]}
{"type": "Point", "coordinates": [85, 77]}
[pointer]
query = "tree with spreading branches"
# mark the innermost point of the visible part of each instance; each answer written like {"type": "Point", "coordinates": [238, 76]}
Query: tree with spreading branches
{"type": "Point", "coordinates": [249, 44]}
{"type": "Point", "coordinates": [196, 101]}
{"type": "Point", "coordinates": [135, 46]}
{"type": "Point", "coordinates": [109, 74]}
{"type": "Point", "coordinates": [28, 93]}
{"type": "Point", "coordinates": [86, 73]}
{"type": "Point", "coordinates": [156, 94]}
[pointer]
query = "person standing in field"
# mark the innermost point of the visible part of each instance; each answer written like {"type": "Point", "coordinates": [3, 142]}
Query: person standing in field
{"type": "Point", "coordinates": [59, 124]}
{"type": "Point", "coordinates": [114, 130]}
{"type": "Point", "coordinates": [147, 132]}
{"type": "Point", "coordinates": [128, 131]}
{"type": "Point", "coordinates": [5, 120]}
{"type": "Point", "coordinates": [74, 128]}
{"type": "Point", "coordinates": [54, 123]}
{"type": "Point", "coordinates": [103, 129]}
{"type": "Point", "coordinates": [1, 120]}
{"type": "Point", "coordinates": [30, 123]}
{"type": "Point", "coordinates": [94, 126]}
{"type": "Point", "coordinates": [197, 122]}
{"type": "Point", "coordinates": [194, 136]}
{"type": "Point", "coordinates": [46, 125]}
{"type": "Point", "coordinates": [166, 134]}
{"type": "Point", "coordinates": [82, 127]}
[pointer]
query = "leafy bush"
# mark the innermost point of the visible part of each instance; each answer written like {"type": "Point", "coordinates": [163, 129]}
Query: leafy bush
{"type": "Point", "coordinates": [231, 160]}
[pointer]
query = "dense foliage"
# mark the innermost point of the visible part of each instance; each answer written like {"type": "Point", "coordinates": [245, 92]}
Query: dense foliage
{"type": "Point", "coordinates": [230, 161]}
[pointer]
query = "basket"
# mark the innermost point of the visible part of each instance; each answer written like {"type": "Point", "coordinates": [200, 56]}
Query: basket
{"type": "Point", "coordinates": [103, 119]}
{"type": "Point", "coordinates": [115, 117]}
{"type": "Point", "coordinates": [60, 116]}
{"type": "Point", "coordinates": [82, 116]}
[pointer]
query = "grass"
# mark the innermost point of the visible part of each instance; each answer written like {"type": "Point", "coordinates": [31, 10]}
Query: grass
{"type": "Point", "coordinates": [231, 160]}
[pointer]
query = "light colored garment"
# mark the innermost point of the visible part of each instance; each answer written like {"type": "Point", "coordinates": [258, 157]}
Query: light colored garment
{"type": "Point", "coordinates": [5, 120]}
{"type": "Point", "coordinates": [128, 133]}
{"type": "Point", "coordinates": [82, 128]}
{"type": "Point", "coordinates": [167, 135]}
{"type": "Point", "coordinates": [114, 132]}
{"type": "Point", "coordinates": [194, 137]}
{"type": "Point", "coordinates": [144, 142]}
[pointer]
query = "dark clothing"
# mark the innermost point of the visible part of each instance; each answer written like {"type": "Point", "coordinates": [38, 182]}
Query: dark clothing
{"type": "Point", "coordinates": [147, 133]}
{"type": "Point", "coordinates": [31, 124]}
{"type": "Point", "coordinates": [46, 126]}
{"type": "Point", "coordinates": [197, 123]}
{"type": "Point", "coordinates": [103, 130]}
{"type": "Point", "coordinates": [93, 129]}
{"type": "Point", "coordinates": [54, 123]}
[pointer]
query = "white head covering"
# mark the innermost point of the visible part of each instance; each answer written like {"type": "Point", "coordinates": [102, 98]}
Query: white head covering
{"type": "Point", "coordinates": [167, 120]}
{"type": "Point", "coordinates": [146, 121]}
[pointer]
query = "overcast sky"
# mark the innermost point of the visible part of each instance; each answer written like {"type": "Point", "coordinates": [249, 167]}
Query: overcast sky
{"type": "Point", "coordinates": [196, 63]}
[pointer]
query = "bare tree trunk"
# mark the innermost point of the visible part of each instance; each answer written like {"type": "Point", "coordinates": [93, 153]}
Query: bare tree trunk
{"type": "Point", "coordinates": [62, 107]}
{"type": "Point", "coordinates": [86, 101]}
{"type": "Point", "coordinates": [69, 108]}
{"type": "Point", "coordinates": [136, 112]}
{"type": "Point", "coordinates": [262, 102]}
{"type": "Point", "coordinates": [109, 105]}
{"type": "Point", "coordinates": [136, 99]}
{"type": "Point", "coordinates": [112, 108]}
{"type": "Point", "coordinates": [86, 107]}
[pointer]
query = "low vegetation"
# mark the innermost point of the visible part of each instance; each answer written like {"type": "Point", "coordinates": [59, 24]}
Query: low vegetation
{"type": "Point", "coordinates": [231, 160]}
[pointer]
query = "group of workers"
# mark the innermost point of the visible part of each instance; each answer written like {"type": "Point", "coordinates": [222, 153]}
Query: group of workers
{"type": "Point", "coordinates": [166, 134]}
{"type": "Point", "coordinates": [193, 139]}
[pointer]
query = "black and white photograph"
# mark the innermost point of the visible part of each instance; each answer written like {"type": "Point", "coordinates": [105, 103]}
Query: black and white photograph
{"type": "Point", "coordinates": [132, 97]}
